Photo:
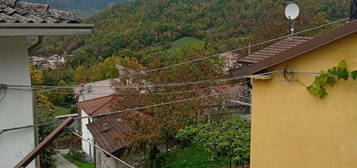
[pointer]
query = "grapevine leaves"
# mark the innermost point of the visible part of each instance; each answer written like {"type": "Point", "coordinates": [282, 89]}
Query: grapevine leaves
{"type": "Point", "coordinates": [340, 72]}
{"type": "Point", "coordinates": [354, 75]}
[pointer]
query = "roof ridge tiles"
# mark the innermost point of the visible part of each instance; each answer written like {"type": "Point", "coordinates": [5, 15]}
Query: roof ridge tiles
{"type": "Point", "coordinates": [94, 106]}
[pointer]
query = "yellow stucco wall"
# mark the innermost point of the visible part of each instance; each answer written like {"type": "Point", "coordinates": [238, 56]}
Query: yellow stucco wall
{"type": "Point", "coordinates": [293, 129]}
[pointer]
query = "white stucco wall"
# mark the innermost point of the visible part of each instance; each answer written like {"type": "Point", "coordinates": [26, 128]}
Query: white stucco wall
{"type": "Point", "coordinates": [16, 108]}
{"type": "Point", "coordinates": [86, 147]}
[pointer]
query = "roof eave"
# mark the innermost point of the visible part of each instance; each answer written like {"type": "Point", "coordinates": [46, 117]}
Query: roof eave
{"type": "Point", "coordinates": [56, 29]}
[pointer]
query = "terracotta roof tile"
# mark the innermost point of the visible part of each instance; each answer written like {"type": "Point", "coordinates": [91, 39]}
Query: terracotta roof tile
{"type": "Point", "coordinates": [17, 11]}
{"type": "Point", "coordinates": [96, 106]}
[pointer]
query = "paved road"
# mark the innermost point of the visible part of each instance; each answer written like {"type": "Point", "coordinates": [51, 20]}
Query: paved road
{"type": "Point", "coordinates": [61, 162]}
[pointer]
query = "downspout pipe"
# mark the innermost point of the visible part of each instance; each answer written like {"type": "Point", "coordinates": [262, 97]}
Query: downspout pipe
{"type": "Point", "coordinates": [36, 46]}
{"type": "Point", "coordinates": [31, 51]}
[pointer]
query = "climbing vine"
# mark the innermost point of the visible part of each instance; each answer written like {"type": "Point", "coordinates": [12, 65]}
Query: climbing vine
{"type": "Point", "coordinates": [329, 78]}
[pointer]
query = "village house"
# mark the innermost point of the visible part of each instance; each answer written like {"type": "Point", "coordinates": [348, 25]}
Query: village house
{"type": "Point", "coordinates": [51, 62]}
{"type": "Point", "coordinates": [86, 109]}
{"type": "Point", "coordinates": [104, 132]}
{"type": "Point", "coordinates": [40, 62]}
{"type": "Point", "coordinates": [96, 98]}
{"type": "Point", "coordinates": [93, 98]}
{"type": "Point", "coordinates": [109, 134]}
{"type": "Point", "coordinates": [18, 21]}
{"type": "Point", "coordinates": [291, 128]}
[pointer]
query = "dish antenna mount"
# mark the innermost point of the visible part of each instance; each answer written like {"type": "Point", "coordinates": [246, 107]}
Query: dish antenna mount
{"type": "Point", "coordinates": [292, 11]}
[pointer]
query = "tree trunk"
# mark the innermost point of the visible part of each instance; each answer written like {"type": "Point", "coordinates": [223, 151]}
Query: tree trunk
{"type": "Point", "coordinates": [151, 162]}
{"type": "Point", "coordinates": [230, 161]}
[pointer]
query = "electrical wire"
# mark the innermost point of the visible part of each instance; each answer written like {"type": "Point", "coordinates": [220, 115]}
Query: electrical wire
{"type": "Point", "coordinates": [157, 105]}
{"type": "Point", "coordinates": [307, 72]}
{"type": "Point", "coordinates": [147, 86]}
{"type": "Point", "coordinates": [199, 59]}
{"type": "Point", "coordinates": [54, 122]}
{"type": "Point", "coordinates": [238, 49]}
{"type": "Point", "coordinates": [148, 93]}
{"type": "Point", "coordinates": [122, 111]}
{"type": "Point", "coordinates": [203, 58]}
{"type": "Point", "coordinates": [106, 152]}
{"type": "Point", "coordinates": [149, 106]}
{"type": "Point", "coordinates": [175, 65]}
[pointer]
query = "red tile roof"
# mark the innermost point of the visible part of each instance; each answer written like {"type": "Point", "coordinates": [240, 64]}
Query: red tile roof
{"type": "Point", "coordinates": [99, 105]}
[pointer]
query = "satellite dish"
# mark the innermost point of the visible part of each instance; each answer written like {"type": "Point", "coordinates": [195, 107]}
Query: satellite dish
{"type": "Point", "coordinates": [292, 11]}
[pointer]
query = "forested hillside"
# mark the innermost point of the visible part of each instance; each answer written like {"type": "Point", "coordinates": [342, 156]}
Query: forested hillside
{"type": "Point", "coordinates": [146, 28]}
{"type": "Point", "coordinates": [84, 8]}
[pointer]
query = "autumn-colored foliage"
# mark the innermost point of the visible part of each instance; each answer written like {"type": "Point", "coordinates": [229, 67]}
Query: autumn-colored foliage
{"type": "Point", "coordinates": [159, 125]}
{"type": "Point", "coordinates": [44, 113]}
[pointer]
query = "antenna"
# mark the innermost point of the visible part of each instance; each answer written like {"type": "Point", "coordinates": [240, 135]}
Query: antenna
{"type": "Point", "coordinates": [292, 11]}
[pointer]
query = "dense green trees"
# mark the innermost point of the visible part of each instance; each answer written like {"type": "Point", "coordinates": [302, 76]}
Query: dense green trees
{"type": "Point", "coordinates": [146, 27]}
{"type": "Point", "coordinates": [228, 139]}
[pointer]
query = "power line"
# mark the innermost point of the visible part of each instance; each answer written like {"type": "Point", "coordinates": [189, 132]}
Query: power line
{"type": "Point", "coordinates": [122, 111]}
{"type": "Point", "coordinates": [55, 121]}
{"type": "Point", "coordinates": [148, 93]}
{"type": "Point", "coordinates": [149, 106]}
{"type": "Point", "coordinates": [147, 86]}
{"type": "Point", "coordinates": [187, 62]}
{"type": "Point", "coordinates": [157, 105]}
{"type": "Point", "coordinates": [175, 65]}
{"type": "Point", "coordinates": [238, 49]}
{"type": "Point", "coordinates": [106, 152]}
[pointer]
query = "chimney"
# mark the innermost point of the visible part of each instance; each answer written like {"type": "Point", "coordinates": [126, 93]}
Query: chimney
{"type": "Point", "coordinates": [105, 127]}
{"type": "Point", "coordinates": [353, 10]}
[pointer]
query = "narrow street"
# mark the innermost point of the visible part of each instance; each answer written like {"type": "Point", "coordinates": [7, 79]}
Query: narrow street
{"type": "Point", "coordinates": [61, 162]}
